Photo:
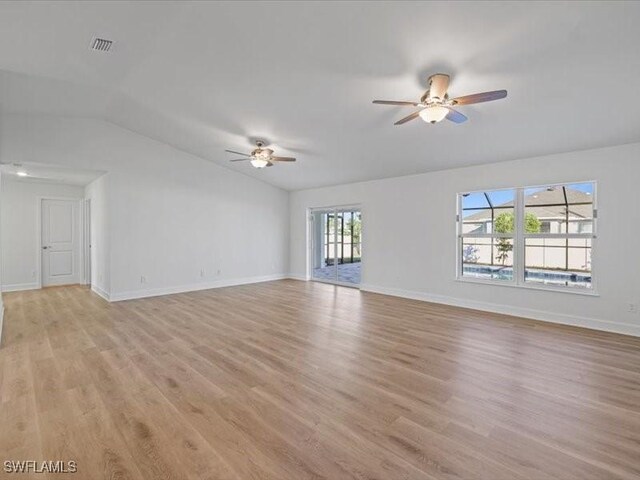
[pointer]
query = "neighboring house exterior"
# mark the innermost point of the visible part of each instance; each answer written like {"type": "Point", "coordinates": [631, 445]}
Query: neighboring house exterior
{"type": "Point", "coordinates": [557, 214]}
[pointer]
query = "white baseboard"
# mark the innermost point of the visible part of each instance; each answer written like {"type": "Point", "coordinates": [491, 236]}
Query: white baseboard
{"type": "Point", "coordinates": [99, 291]}
{"type": "Point", "coordinates": [155, 292]}
{"type": "Point", "coordinates": [294, 276]}
{"type": "Point", "coordinates": [18, 287]}
{"type": "Point", "coordinates": [542, 315]}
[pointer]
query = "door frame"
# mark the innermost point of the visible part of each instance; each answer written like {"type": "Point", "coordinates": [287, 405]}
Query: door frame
{"type": "Point", "coordinates": [85, 238]}
{"type": "Point", "coordinates": [310, 244]}
{"type": "Point", "coordinates": [80, 203]}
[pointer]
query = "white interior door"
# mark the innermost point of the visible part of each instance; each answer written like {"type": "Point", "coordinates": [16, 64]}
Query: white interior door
{"type": "Point", "coordinates": [60, 242]}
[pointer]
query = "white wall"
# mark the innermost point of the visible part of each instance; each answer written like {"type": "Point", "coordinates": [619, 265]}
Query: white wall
{"type": "Point", "coordinates": [173, 219]}
{"type": "Point", "coordinates": [170, 215]}
{"type": "Point", "coordinates": [19, 217]}
{"type": "Point", "coordinates": [409, 236]}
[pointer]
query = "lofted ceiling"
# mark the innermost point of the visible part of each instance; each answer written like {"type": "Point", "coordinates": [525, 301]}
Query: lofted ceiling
{"type": "Point", "coordinates": [204, 77]}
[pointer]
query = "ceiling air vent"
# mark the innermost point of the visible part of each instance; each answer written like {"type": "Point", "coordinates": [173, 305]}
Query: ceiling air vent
{"type": "Point", "coordinates": [101, 44]}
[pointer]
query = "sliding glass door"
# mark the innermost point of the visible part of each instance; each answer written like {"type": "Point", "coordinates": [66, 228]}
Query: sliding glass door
{"type": "Point", "coordinates": [336, 245]}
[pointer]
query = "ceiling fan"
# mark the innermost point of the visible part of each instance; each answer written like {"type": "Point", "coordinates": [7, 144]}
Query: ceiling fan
{"type": "Point", "coordinates": [260, 157]}
{"type": "Point", "coordinates": [435, 105]}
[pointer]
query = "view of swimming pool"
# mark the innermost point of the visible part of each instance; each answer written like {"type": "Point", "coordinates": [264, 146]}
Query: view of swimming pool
{"type": "Point", "coordinates": [545, 277]}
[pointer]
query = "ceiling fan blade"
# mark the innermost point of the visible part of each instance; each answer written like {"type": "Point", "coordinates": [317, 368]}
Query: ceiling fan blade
{"type": "Point", "coordinates": [455, 116]}
{"type": "Point", "coordinates": [282, 159]}
{"type": "Point", "coordinates": [408, 118]}
{"type": "Point", "coordinates": [238, 153]}
{"type": "Point", "coordinates": [480, 97]}
{"type": "Point", "coordinates": [393, 102]}
{"type": "Point", "coordinates": [240, 159]}
{"type": "Point", "coordinates": [438, 85]}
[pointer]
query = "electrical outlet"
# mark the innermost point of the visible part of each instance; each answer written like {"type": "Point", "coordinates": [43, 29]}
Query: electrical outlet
{"type": "Point", "coordinates": [202, 273]}
{"type": "Point", "coordinates": [33, 274]}
{"type": "Point", "coordinates": [632, 307]}
{"type": "Point", "coordinates": [218, 272]}
{"type": "Point", "coordinates": [143, 279]}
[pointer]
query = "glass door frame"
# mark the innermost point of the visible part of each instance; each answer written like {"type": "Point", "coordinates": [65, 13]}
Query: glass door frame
{"type": "Point", "coordinates": [332, 210]}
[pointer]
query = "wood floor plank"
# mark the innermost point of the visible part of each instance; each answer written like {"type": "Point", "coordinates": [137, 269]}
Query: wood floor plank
{"type": "Point", "coordinates": [297, 380]}
{"type": "Point", "coordinates": [105, 453]}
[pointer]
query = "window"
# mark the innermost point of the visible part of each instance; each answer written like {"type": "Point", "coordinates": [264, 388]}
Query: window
{"type": "Point", "coordinates": [487, 234]}
{"type": "Point", "coordinates": [545, 226]}
{"type": "Point", "coordinates": [532, 236]}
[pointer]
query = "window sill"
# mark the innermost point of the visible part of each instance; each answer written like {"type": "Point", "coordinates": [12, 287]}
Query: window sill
{"type": "Point", "coordinates": [588, 292]}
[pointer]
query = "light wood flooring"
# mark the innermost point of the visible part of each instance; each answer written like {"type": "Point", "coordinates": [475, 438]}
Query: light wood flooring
{"type": "Point", "coordinates": [296, 380]}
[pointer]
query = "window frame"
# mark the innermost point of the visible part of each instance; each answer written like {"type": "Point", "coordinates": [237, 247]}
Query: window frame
{"type": "Point", "coordinates": [519, 241]}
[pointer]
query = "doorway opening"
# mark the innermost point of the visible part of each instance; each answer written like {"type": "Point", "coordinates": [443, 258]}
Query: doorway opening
{"type": "Point", "coordinates": [336, 245]}
{"type": "Point", "coordinates": [46, 225]}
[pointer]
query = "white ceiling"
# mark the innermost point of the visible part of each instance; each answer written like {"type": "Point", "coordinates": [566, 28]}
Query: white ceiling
{"type": "Point", "coordinates": [204, 77]}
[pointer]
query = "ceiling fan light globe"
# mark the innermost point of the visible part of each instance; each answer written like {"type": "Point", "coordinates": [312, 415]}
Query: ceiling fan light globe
{"type": "Point", "coordinates": [259, 162]}
{"type": "Point", "coordinates": [434, 113]}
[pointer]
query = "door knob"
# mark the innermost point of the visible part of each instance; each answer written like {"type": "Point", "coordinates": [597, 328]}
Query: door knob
{"type": "Point", "coordinates": [44, 248]}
